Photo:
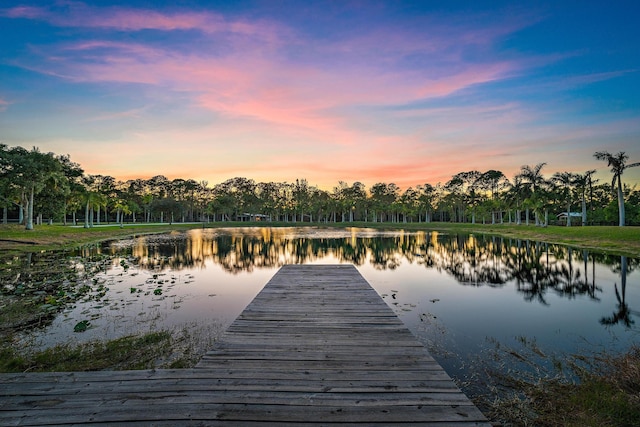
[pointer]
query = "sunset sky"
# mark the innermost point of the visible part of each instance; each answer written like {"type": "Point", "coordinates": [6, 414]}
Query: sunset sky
{"type": "Point", "coordinates": [408, 92]}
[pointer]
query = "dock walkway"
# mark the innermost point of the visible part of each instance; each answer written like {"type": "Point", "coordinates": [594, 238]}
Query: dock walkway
{"type": "Point", "coordinates": [317, 346]}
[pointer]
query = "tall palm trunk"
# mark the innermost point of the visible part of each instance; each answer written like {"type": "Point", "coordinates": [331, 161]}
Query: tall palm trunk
{"type": "Point", "coordinates": [86, 215]}
{"type": "Point", "coordinates": [29, 206]}
{"type": "Point", "coordinates": [620, 204]}
{"type": "Point", "coordinates": [584, 208]}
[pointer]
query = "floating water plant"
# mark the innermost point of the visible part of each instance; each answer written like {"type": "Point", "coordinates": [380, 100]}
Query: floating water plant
{"type": "Point", "coordinates": [81, 326]}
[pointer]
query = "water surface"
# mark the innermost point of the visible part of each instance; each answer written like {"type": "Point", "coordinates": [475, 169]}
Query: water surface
{"type": "Point", "coordinates": [459, 294]}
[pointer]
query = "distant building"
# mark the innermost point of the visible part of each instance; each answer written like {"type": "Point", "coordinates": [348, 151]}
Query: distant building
{"type": "Point", "coordinates": [576, 217]}
{"type": "Point", "coordinates": [253, 217]}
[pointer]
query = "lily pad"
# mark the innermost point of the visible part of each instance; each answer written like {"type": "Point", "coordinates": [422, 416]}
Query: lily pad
{"type": "Point", "coordinates": [81, 326]}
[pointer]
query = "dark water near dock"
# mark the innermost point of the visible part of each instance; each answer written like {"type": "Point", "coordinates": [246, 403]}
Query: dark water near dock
{"type": "Point", "coordinates": [462, 296]}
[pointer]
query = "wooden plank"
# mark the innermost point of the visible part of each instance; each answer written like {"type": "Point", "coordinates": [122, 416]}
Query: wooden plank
{"type": "Point", "coordinates": [240, 413]}
{"type": "Point", "coordinates": [371, 385]}
{"type": "Point", "coordinates": [345, 398]}
{"type": "Point", "coordinates": [317, 345]}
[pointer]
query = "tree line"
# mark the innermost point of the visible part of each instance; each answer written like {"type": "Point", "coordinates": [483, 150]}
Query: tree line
{"type": "Point", "coordinates": [37, 187]}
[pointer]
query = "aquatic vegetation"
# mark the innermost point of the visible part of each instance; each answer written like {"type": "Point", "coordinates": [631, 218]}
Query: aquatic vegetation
{"type": "Point", "coordinates": [82, 326]}
{"type": "Point", "coordinates": [597, 390]}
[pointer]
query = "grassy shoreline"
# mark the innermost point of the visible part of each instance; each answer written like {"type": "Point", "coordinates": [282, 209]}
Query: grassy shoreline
{"type": "Point", "coordinates": [609, 239]}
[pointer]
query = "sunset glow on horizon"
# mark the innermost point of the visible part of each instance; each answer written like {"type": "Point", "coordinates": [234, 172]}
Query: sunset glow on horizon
{"type": "Point", "coordinates": [369, 91]}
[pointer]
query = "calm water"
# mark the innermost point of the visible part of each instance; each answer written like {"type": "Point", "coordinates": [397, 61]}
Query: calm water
{"type": "Point", "coordinates": [460, 295]}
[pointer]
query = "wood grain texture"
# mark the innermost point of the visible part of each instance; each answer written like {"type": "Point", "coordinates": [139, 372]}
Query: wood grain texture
{"type": "Point", "coordinates": [317, 346]}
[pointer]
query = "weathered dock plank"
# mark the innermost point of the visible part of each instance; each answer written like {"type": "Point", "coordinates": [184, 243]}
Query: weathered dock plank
{"type": "Point", "coordinates": [316, 346]}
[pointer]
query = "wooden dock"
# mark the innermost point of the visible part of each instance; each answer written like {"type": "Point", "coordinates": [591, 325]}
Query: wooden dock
{"type": "Point", "coordinates": [317, 346]}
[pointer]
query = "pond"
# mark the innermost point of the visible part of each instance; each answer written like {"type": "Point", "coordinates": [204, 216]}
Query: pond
{"type": "Point", "coordinates": [461, 295]}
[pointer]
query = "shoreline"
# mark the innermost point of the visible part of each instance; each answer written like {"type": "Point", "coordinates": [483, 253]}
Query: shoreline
{"type": "Point", "coordinates": [607, 239]}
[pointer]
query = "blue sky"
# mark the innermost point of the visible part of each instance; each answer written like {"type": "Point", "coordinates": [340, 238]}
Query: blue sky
{"type": "Point", "coordinates": [370, 91]}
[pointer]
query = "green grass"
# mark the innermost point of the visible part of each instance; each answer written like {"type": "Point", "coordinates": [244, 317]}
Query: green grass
{"type": "Point", "coordinates": [607, 396]}
{"type": "Point", "coordinates": [131, 352]}
{"type": "Point", "coordinates": [528, 387]}
{"type": "Point", "coordinates": [176, 348]}
{"type": "Point", "coordinates": [17, 313]}
{"type": "Point", "coordinates": [15, 239]}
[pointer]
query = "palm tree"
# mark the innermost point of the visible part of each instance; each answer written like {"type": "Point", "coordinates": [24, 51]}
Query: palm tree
{"type": "Point", "coordinates": [91, 199]}
{"type": "Point", "coordinates": [566, 180]}
{"type": "Point", "coordinates": [534, 182]}
{"type": "Point", "coordinates": [513, 198]}
{"type": "Point", "coordinates": [493, 181]}
{"type": "Point", "coordinates": [617, 163]}
{"type": "Point", "coordinates": [409, 204]}
{"type": "Point", "coordinates": [462, 188]}
{"type": "Point", "coordinates": [583, 182]}
{"type": "Point", "coordinates": [425, 199]}
{"type": "Point", "coordinates": [45, 169]}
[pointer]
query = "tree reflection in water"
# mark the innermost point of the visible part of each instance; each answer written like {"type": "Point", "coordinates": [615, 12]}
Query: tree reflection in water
{"type": "Point", "coordinates": [623, 313]}
{"type": "Point", "coordinates": [455, 290]}
{"type": "Point", "coordinates": [536, 268]}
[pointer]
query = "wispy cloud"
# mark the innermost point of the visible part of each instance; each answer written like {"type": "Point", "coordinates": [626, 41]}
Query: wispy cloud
{"type": "Point", "coordinates": [590, 78]}
{"type": "Point", "coordinates": [402, 99]}
{"type": "Point", "coordinates": [135, 113]}
{"type": "Point", "coordinates": [4, 105]}
{"type": "Point", "coordinates": [27, 12]}
{"type": "Point", "coordinates": [285, 86]}
{"type": "Point", "coordinates": [81, 15]}
{"type": "Point", "coordinates": [282, 86]}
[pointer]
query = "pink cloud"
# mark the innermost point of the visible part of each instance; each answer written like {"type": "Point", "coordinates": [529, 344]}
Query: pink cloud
{"type": "Point", "coordinates": [295, 102]}
{"type": "Point", "coordinates": [271, 91]}
{"type": "Point", "coordinates": [122, 48]}
{"type": "Point", "coordinates": [254, 81]}
{"type": "Point", "coordinates": [275, 88]}
{"type": "Point", "coordinates": [80, 15]}
{"type": "Point", "coordinates": [4, 104]}
{"type": "Point", "coordinates": [27, 12]}
{"type": "Point", "coordinates": [135, 20]}
{"type": "Point", "coordinates": [236, 87]}
{"type": "Point", "coordinates": [266, 153]}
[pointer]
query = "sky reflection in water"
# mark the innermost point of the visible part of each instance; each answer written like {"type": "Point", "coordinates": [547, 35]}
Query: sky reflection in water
{"type": "Point", "coordinates": [453, 292]}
